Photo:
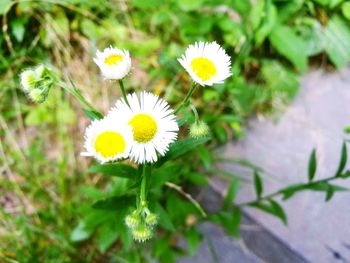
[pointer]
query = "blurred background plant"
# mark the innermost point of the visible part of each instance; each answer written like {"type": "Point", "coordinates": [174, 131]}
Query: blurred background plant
{"type": "Point", "coordinates": [45, 190]}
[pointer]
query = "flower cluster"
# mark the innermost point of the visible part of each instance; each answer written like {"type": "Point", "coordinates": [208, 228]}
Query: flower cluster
{"type": "Point", "coordinates": [139, 129]}
{"type": "Point", "coordinates": [140, 126]}
{"type": "Point", "coordinates": [37, 82]}
{"type": "Point", "coordinates": [141, 223]}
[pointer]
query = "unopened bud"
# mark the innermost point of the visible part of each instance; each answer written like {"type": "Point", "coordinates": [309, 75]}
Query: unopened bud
{"type": "Point", "coordinates": [199, 129]}
{"type": "Point", "coordinates": [28, 80]}
{"type": "Point", "coordinates": [37, 95]}
{"type": "Point", "coordinates": [151, 219]}
{"type": "Point", "coordinates": [132, 221]}
{"type": "Point", "coordinates": [37, 83]}
{"type": "Point", "coordinates": [142, 233]}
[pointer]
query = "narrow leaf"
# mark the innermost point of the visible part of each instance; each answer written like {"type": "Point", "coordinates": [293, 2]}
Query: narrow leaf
{"type": "Point", "coordinates": [343, 160]}
{"type": "Point", "coordinates": [278, 211]}
{"type": "Point", "coordinates": [258, 184]}
{"type": "Point", "coordinates": [312, 165]}
{"type": "Point", "coordinates": [236, 221]}
{"type": "Point", "coordinates": [92, 115]}
{"type": "Point", "coordinates": [164, 219]}
{"type": "Point", "coordinates": [193, 241]}
{"type": "Point", "coordinates": [115, 169]}
{"type": "Point", "coordinates": [231, 193]}
{"type": "Point", "coordinates": [181, 147]}
{"type": "Point", "coordinates": [272, 208]}
{"type": "Point", "coordinates": [330, 193]}
{"type": "Point", "coordinates": [114, 203]}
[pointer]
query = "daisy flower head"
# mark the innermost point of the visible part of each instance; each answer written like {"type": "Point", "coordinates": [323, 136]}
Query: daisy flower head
{"type": "Point", "coordinates": [113, 62]}
{"type": "Point", "coordinates": [153, 125]}
{"type": "Point", "coordinates": [107, 140]}
{"type": "Point", "coordinates": [207, 63]}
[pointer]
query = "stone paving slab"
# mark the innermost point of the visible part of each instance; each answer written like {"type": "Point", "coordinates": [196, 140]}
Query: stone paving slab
{"type": "Point", "coordinates": [319, 231]}
{"type": "Point", "coordinates": [256, 245]}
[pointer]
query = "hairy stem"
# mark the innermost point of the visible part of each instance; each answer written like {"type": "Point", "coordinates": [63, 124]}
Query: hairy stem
{"type": "Point", "coordinates": [187, 98]}
{"type": "Point", "coordinates": [76, 94]}
{"type": "Point", "coordinates": [146, 173]}
{"type": "Point", "coordinates": [121, 84]}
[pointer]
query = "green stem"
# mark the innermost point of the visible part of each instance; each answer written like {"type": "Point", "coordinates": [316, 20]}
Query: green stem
{"type": "Point", "coordinates": [196, 118]}
{"type": "Point", "coordinates": [146, 172]}
{"type": "Point", "coordinates": [76, 93]}
{"type": "Point", "coordinates": [121, 84]}
{"type": "Point", "coordinates": [187, 98]}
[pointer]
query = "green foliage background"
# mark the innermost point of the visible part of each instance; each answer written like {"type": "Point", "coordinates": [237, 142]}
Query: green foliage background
{"type": "Point", "coordinates": [45, 190]}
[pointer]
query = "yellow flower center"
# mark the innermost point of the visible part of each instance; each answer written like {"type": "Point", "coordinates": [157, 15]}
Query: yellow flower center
{"type": "Point", "coordinates": [113, 59]}
{"type": "Point", "coordinates": [144, 127]}
{"type": "Point", "coordinates": [204, 68]}
{"type": "Point", "coordinates": [109, 143]}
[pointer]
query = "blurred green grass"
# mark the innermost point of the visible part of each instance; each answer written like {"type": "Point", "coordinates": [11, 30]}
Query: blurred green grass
{"type": "Point", "coordinates": [43, 179]}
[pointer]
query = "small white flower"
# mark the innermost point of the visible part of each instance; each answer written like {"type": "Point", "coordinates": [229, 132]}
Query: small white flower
{"type": "Point", "coordinates": [107, 140]}
{"type": "Point", "coordinates": [207, 63]}
{"type": "Point", "coordinates": [153, 124]}
{"type": "Point", "coordinates": [113, 62]}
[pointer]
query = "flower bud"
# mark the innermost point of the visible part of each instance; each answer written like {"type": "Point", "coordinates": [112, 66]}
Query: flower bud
{"type": "Point", "coordinates": [142, 233]}
{"type": "Point", "coordinates": [38, 95]}
{"type": "Point", "coordinates": [199, 129]}
{"type": "Point", "coordinates": [37, 83]}
{"type": "Point", "coordinates": [132, 221]}
{"type": "Point", "coordinates": [40, 71]}
{"type": "Point", "coordinates": [28, 80]}
{"type": "Point", "coordinates": [151, 219]}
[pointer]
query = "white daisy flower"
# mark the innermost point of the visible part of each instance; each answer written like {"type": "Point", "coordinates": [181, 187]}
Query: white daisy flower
{"type": "Point", "coordinates": [153, 124]}
{"type": "Point", "coordinates": [106, 140]}
{"type": "Point", "coordinates": [207, 63]}
{"type": "Point", "coordinates": [113, 62]}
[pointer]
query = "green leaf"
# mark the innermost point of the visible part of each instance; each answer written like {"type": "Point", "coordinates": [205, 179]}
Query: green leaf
{"type": "Point", "coordinates": [107, 235]}
{"type": "Point", "coordinates": [279, 211]}
{"type": "Point", "coordinates": [231, 193]}
{"type": "Point", "coordinates": [291, 190]}
{"type": "Point", "coordinates": [80, 233]}
{"type": "Point", "coordinates": [115, 203]}
{"type": "Point", "coordinates": [146, 4]}
{"type": "Point", "coordinates": [197, 179]}
{"type": "Point", "coordinates": [343, 160]}
{"type": "Point", "coordinates": [272, 208]}
{"type": "Point", "coordinates": [322, 2]}
{"type": "Point", "coordinates": [345, 8]}
{"type": "Point", "coordinates": [189, 5]}
{"type": "Point", "coordinates": [18, 28]}
{"type": "Point", "coordinates": [337, 41]}
{"type": "Point", "coordinates": [92, 115]}
{"type": "Point", "coordinates": [163, 218]}
{"type": "Point", "coordinates": [4, 4]}
{"type": "Point", "coordinates": [258, 184]}
{"type": "Point", "coordinates": [329, 193]}
{"type": "Point", "coordinates": [290, 45]}
{"type": "Point", "coordinates": [181, 147]}
{"type": "Point", "coordinates": [115, 169]}
{"type": "Point", "coordinates": [312, 165]}
{"type": "Point", "coordinates": [268, 23]}
{"type": "Point", "coordinates": [193, 241]}
{"type": "Point", "coordinates": [229, 220]}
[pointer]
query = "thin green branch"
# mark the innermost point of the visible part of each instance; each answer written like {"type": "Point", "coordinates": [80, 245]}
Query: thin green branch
{"type": "Point", "coordinates": [187, 98]}
{"type": "Point", "coordinates": [188, 196]}
{"type": "Point", "coordinates": [283, 190]}
{"type": "Point", "coordinates": [122, 88]}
